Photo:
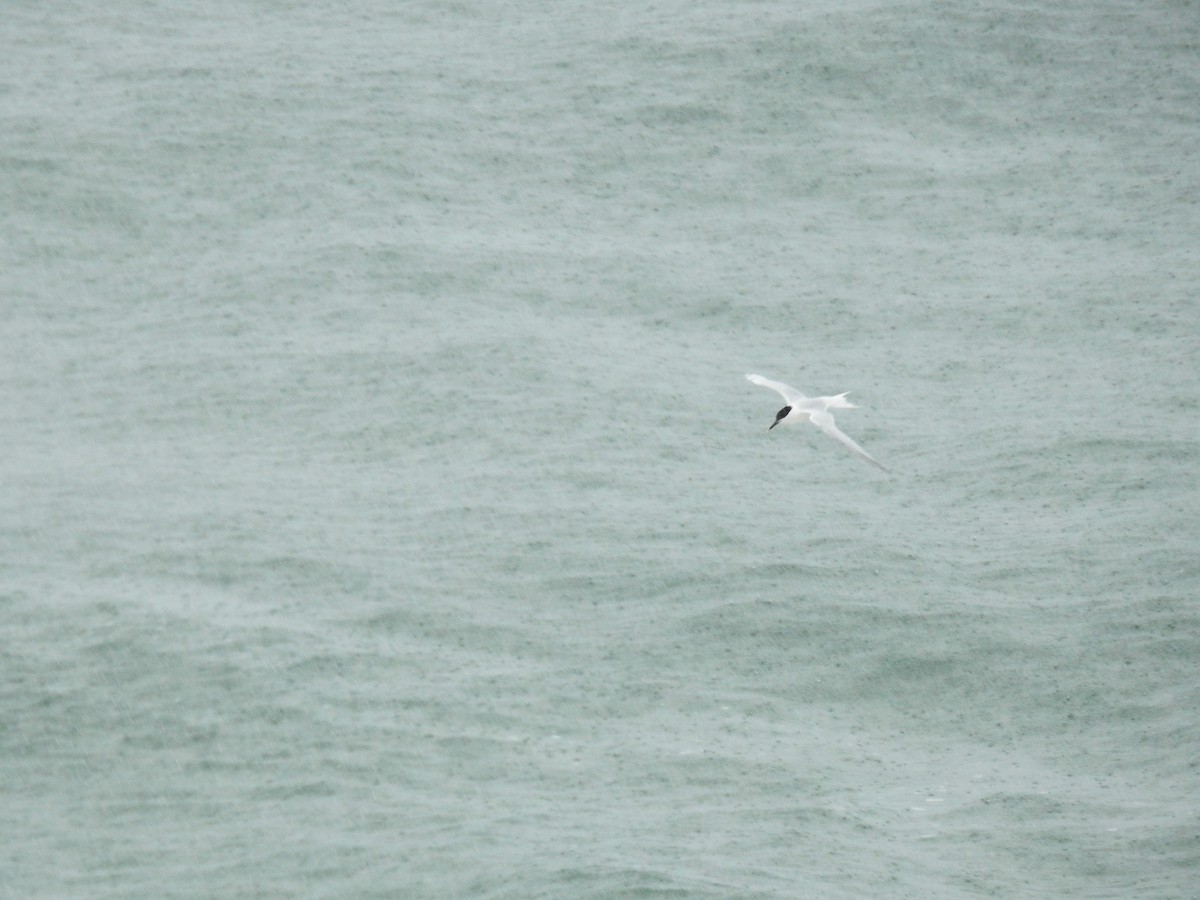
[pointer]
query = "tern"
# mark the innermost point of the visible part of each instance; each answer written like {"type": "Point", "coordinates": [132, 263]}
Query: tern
{"type": "Point", "coordinates": [813, 409]}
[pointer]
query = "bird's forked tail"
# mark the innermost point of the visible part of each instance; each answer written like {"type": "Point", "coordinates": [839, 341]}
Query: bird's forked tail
{"type": "Point", "coordinates": [840, 402]}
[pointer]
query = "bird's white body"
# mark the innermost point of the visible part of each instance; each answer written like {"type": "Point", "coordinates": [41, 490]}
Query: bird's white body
{"type": "Point", "coordinates": [815, 410]}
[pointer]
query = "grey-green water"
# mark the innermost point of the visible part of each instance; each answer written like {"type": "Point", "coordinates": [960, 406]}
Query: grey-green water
{"type": "Point", "coordinates": [384, 511]}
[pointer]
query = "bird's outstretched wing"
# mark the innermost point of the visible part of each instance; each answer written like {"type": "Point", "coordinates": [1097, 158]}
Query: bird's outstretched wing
{"type": "Point", "coordinates": [790, 394]}
{"type": "Point", "coordinates": [824, 421]}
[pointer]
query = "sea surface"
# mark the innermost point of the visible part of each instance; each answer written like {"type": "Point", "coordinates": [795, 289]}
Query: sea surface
{"type": "Point", "coordinates": [384, 511]}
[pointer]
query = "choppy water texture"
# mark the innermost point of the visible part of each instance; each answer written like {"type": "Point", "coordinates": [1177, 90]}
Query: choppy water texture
{"type": "Point", "coordinates": [385, 512]}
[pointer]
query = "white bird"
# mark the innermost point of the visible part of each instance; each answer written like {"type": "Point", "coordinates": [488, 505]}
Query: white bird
{"type": "Point", "coordinates": [813, 409]}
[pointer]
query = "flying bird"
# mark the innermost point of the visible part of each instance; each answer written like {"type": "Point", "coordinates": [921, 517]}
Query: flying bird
{"type": "Point", "coordinates": [800, 408]}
